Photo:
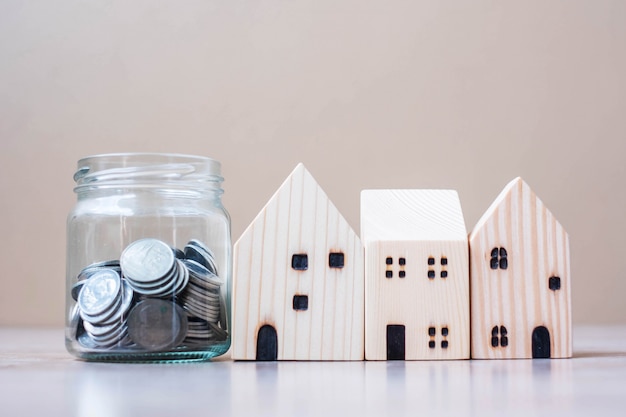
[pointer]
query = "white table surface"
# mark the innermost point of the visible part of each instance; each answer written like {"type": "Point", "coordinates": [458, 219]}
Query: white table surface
{"type": "Point", "coordinates": [38, 377]}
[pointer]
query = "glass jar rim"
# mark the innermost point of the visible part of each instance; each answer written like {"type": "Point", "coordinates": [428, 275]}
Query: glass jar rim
{"type": "Point", "coordinates": [114, 169]}
{"type": "Point", "coordinates": [147, 154]}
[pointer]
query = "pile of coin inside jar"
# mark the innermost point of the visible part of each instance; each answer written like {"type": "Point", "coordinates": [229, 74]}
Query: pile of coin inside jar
{"type": "Point", "coordinates": [154, 298]}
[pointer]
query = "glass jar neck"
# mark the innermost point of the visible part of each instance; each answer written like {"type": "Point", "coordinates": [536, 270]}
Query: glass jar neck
{"type": "Point", "coordinates": [149, 173]}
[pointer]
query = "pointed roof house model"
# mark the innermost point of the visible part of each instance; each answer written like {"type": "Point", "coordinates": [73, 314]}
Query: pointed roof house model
{"type": "Point", "coordinates": [298, 279]}
{"type": "Point", "coordinates": [416, 275]}
{"type": "Point", "coordinates": [520, 279]}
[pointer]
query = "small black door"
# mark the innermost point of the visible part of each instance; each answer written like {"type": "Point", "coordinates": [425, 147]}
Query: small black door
{"type": "Point", "coordinates": [395, 342]}
{"type": "Point", "coordinates": [541, 342]}
{"type": "Point", "coordinates": [267, 344]}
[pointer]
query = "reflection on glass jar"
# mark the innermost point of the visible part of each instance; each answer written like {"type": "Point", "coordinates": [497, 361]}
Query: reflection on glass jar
{"type": "Point", "coordinates": [148, 259]}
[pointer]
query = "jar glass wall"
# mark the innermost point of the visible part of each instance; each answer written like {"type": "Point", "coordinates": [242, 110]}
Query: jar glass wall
{"type": "Point", "coordinates": [148, 259]}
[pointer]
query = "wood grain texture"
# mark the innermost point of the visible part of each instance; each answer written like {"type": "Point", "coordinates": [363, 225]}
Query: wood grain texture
{"type": "Point", "coordinates": [519, 296]}
{"type": "Point", "coordinates": [299, 219]}
{"type": "Point", "coordinates": [416, 225]}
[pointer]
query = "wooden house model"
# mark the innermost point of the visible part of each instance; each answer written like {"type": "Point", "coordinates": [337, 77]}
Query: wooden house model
{"type": "Point", "coordinates": [416, 275]}
{"type": "Point", "coordinates": [520, 280]}
{"type": "Point", "coordinates": [298, 290]}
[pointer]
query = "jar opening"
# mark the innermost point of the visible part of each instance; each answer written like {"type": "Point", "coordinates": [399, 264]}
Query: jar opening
{"type": "Point", "coordinates": [147, 169]}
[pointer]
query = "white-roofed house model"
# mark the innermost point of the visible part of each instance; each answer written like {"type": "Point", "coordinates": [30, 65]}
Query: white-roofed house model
{"type": "Point", "coordinates": [416, 275]}
{"type": "Point", "coordinates": [520, 279]}
{"type": "Point", "coordinates": [298, 279]}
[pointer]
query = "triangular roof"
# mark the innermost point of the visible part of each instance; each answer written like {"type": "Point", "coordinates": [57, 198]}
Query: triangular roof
{"type": "Point", "coordinates": [518, 185]}
{"type": "Point", "coordinates": [408, 215]}
{"type": "Point", "coordinates": [302, 179]}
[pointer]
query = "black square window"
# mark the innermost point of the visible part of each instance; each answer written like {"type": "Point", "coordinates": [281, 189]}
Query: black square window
{"type": "Point", "coordinates": [431, 261]}
{"type": "Point", "coordinates": [444, 331]}
{"type": "Point", "coordinates": [389, 274]}
{"type": "Point", "coordinates": [444, 344]}
{"type": "Point", "coordinates": [554, 283]}
{"type": "Point", "coordinates": [444, 261]}
{"type": "Point", "coordinates": [432, 331]}
{"type": "Point", "coordinates": [431, 274]}
{"type": "Point", "coordinates": [389, 261]}
{"type": "Point", "coordinates": [335, 260]}
{"type": "Point", "coordinates": [300, 261]}
{"type": "Point", "coordinates": [444, 274]}
{"type": "Point", "coordinates": [300, 302]}
{"type": "Point", "coordinates": [431, 344]}
{"type": "Point", "coordinates": [402, 261]}
{"type": "Point", "coordinates": [402, 274]}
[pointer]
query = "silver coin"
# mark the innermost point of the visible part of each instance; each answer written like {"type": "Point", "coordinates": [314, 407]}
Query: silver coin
{"type": "Point", "coordinates": [193, 291]}
{"type": "Point", "coordinates": [76, 289]}
{"type": "Point", "coordinates": [202, 247]}
{"type": "Point", "coordinates": [206, 282]}
{"type": "Point", "coordinates": [183, 278]}
{"type": "Point", "coordinates": [74, 321]}
{"type": "Point", "coordinates": [105, 264]}
{"type": "Point", "coordinates": [196, 268]}
{"type": "Point", "coordinates": [157, 325]}
{"type": "Point", "coordinates": [198, 252]}
{"type": "Point", "coordinates": [117, 334]}
{"type": "Point", "coordinates": [89, 271]}
{"type": "Point", "coordinates": [199, 306]}
{"type": "Point", "coordinates": [197, 312]}
{"type": "Point", "coordinates": [95, 330]}
{"type": "Point", "coordinates": [220, 333]}
{"type": "Point", "coordinates": [106, 316]}
{"type": "Point", "coordinates": [223, 322]}
{"type": "Point", "coordinates": [149, 287]}
{"type": "Point", "coordinates": [162, 289]}
{"type": "Point", "coordinates": [95, 267]}
{"type": "Point", "coordinates": [99, 293]}
{"type": "Point", "coordinates": [87, 342]}
{"type": "Point", "coordinates": [126, 299]}
{"type": "Point", "coordinates": [111, 339]}
{"type": "Point", "coordinates": [202, 308]}
{"type": "Point", "coordinates": [208, 304]}
{"type": "Point", "coordinates": [147, 260]}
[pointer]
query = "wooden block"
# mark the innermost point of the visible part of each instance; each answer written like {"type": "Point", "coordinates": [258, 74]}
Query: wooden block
{"type": "Point", "coordinates": [416, 275]}
{"type": "Point", "coordinates": [298, 279]}
{"type": "Point", "coordinates": [520, 280]}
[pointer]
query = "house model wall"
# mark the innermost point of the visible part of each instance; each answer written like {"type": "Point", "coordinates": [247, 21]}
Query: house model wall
{"type": "Point", "coordinates": [520, 279]}
{"type": "Point", "coordinates": [416, 274]}
{"type": "Point", "coordinates": [298, 290]}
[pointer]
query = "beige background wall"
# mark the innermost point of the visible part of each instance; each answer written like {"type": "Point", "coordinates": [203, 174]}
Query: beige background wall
{"type": "Point", "coordinates": [455, 94]}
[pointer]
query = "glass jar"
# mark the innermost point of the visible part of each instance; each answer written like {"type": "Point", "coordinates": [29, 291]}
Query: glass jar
{"type": "Point", "coordinates": [149, 259]}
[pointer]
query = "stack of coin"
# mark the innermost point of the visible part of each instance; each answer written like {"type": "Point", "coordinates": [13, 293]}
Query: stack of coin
{"type": "Point", "coordinates": [197, 251]}
{"type": "Point", "coordinates": [92, 269]}
{"type": "Point", "coordinates": [151, 268]}
{"type": "Point", "coordinates": [201, 330]}
{"type": "Point", "coordinates": [178, 302]}
{"type": "Point", "coordinates": [201, 298]}
{"type": "Point", "coordinates": [103, 301]}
